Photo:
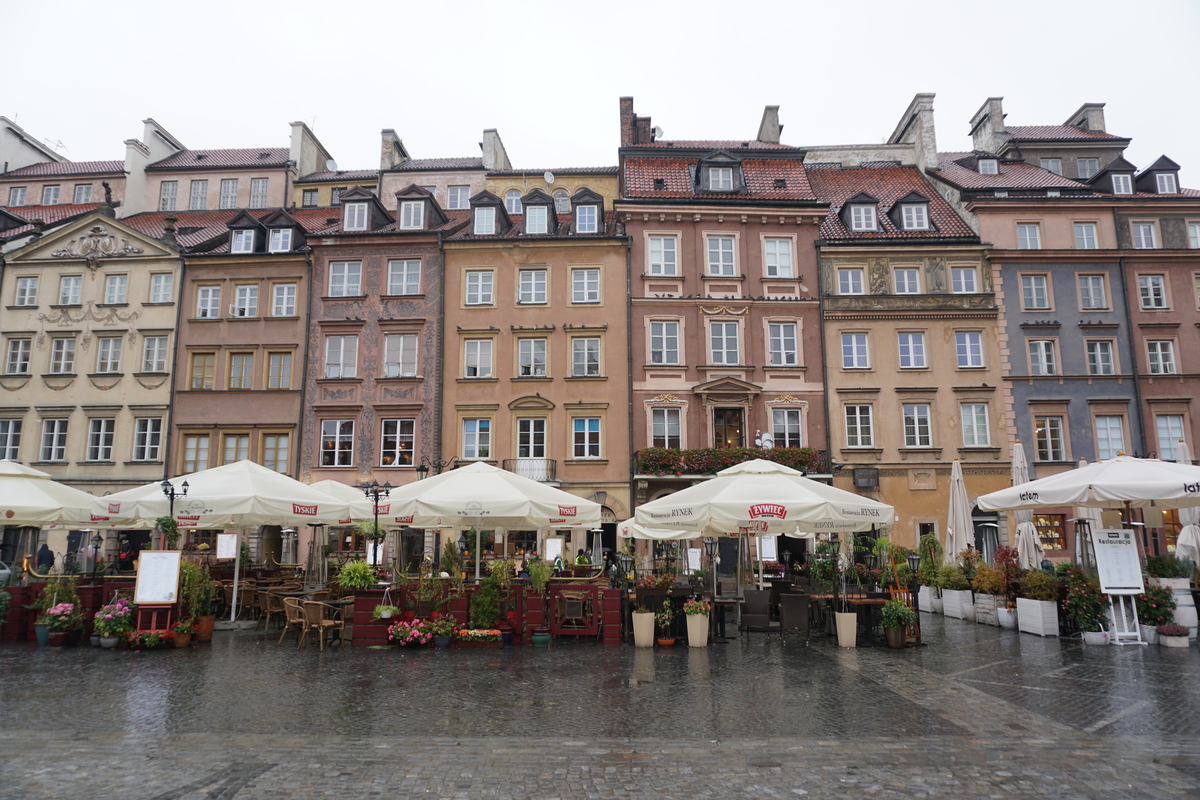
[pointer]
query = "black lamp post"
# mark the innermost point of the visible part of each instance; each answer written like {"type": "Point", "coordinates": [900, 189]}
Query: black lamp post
{"type": "Point", "coordinates": [914, 564]}
{"type": "Point", "coordinates": [437, 465]}
{"type": "Point", "coordinates": [422, 471]}
{"type": "Point", "coordinates": [97, 543]}
{"type": "Point", "coordinates": [168, 490]}
{"type": "Point", "coordinates": [374, 492]}
{"type": "Point", "coordinates": [710, 550]}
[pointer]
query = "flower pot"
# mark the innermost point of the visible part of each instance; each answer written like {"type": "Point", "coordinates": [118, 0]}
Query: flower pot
{"type": "Point", "coordinates": [643, 628]}
{"type": "Point", "coordinates": [74, 636]}
{"type": "Point", "coordinates": [43, 633]}
{"type": "Point", "coordinates": [506, 638]}
{"type": "Point", "coordinates": [388, 614]}
{"type": "Point", "coordinates": [697, 630]}
{"type": "Point", "coordinates": [94, 640]}
{"type": "Point", "coordinates": [666, 642]}
{"type": "Point", "coordinates": [969, 612]}
{"type": "Point", "coordinates": [57, 638]}
{"type": "Point", "coordinates": [847, 629]}
{"type": "Point", "coordinates": [1037, 616]}
{"type": "Point", "coordinates": [442, 642]}
{"type": "Point", "coordinates": [954, 601]}
{"type": "Point", "coordinates": [925, 599]}
{"type": "Point", "coordinates": [1185, 604]}
{"type": "Point", "coordinates": [1173, 641]}
{"type": "Point", "coordinates": [182, 639]}
{"type": "Point", "coordinates": [1007, 617]}
{"type": "Point", "coordinates": [894, 637]}
{"type": "Point", "coordinates": [939, 604]}
{"type": "Point", "coordinates": [1097, 637]}
{"type": "Point", "coordinates": [540, 639]}
{"type": "Point", "coordinates": [1149, 633]}
{"type": "Point", "coordinates": [204, 628]}
{"type": "Point", "coordinates": [109, 642]}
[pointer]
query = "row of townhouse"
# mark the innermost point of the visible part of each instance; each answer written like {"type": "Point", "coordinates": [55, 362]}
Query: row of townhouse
{"type": "Point", "coordinates": [889, 307]}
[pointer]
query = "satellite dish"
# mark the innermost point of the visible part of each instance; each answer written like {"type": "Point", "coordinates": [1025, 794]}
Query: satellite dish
{"type": "Point", "coordinates": [331, 165]}
{"type": "Point", "coordinates": [656, 132]}
{"type": "Point", "coordinates": [548, 177]}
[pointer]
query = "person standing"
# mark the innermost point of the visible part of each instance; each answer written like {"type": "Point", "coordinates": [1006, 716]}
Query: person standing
{"type": "Point", "coordinates": [45, 559]}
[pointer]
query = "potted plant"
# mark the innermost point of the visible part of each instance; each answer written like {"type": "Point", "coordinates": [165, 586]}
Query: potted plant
{"type": "Point", "coordinates": [897, 618]}
{"type": "Point", "coordinates": [61, 619]}
{"type": "Point", "coordinates": [989, 594]}
{"type": "Point", "coordinates": [442, 630]}
{"type": "Point", "coordinates": [384, 611]}
{"type": "Point", "coordinates": [932, 557]}
{"type": "Point", "coordinates": [170, 529]}
{"type": "Point", "coordinates": [410, 632]}
{"type": "Point", "coordinates": [1173, 635]}
{"type": "Point", "coordinates": [1037, 604]}
{"type": "Point", "coordinates": [356, 576]}
{"type": "Point", "coordinates": [643, 626]}
{"type": "Point", "coordinates": [664, 618]}
{"type": "Point", "coordinates": [205, 619]}
{"type": "Point", "coordinates": [1176, 574]}
{"type": "Point", "coordinates": [1085, 606]}
{"type": "Point", "coordinates": [956, 591]}
{"type": "Point", "coordinates": [535, 600]}
{"type": "Point", "coordinates": [1007, 564]}
{"type": "Point", "coordinates": [697, 612]}
{"type": "Point", "coordinates": [1156, 606]}
{"type": "Point", "coordinates": [485, 604]}
{"type": "Point", "coordinates": [479, 637]}
{"type": "Point", "coordinates": [183, 630]}
{"type": "Point", "coordinates": [372, 532]}
{"type": "Point", "coordinates": [113, 621]}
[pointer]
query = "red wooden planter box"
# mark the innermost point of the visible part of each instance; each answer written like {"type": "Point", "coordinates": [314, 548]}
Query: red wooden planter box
{"type": "Point", "coordinates": [463, 645]}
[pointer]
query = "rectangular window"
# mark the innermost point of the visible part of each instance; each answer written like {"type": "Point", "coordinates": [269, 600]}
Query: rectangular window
{"type": "Point", "coordinates": [720, 256]}
{"type": "Point", "coordinates": [975, 425]}
{"type": "Point", "coordinates": [1153, 291]}
{"type": "Point", "coordinates": [477, 438]}
{"type": "Point", "coordinates": [1029, 237]}
{"type": "Point", "coordinates": [587, 437]}
{"type": "Point", "coordinates": [195, 453]}
{"type": "Point", "coordinates": [1053, 165]}
{"type": "Point", "coordinates": [258, 192]}
{"type": "Point", "coordinates": [335, 196]}
{"type": "Point", "coordinates": [245, 301]}
{"type": "Point", "coordinates": [664, 342]}
{"type": "Point", "coordinates": [161, 286]}
{"type": "Point", "coordinates": [1100, 358]}
{"type": "Point", "coordinates": [17, 362]}
{"type": "Point", "coordinates": [229, 189]}
{"type": "Point", "coordinates": [531, 358]}
{"type": "Point", "coordinates": [54, 440]}
{"type": "Point", "coordinates": [1162, 357]}
{"type": "Point", "coordinates": [1110, 436]}
{"type": "Point", "coordinates": [988, 166]}
{"type": "Point", "coordinates": [912, 350]}
{"type": "Point", "coordinates": [587, 219]}
{"type": "Point", "coordinates": [535, 219]}
{"type": "Point", "coordinates": [485, 221]}
{"type": "Point", "coordinates": [396, 446]}
{"type": "Point", "coordinates": [154, 354]}
{"type": "Point", "coordinates": [916, 216]}
{"type": "Point", "coordinates": [1048, 431]}
{"type": "Point", "coordinates": [1035, 293]}
{"type": "Point", "coordinates": [585, 357]}
{"type": "Point", "coordinates": [83, 193]}
{"type": "Point", "coordinates": [167, 191]}
{"type": "Point", "coordinates": [204, 368]}
{"type": "Point", "coordinates": [16, 196]}
{"type": "Point", "coordinates": [1170, 432]}
{"type": "Point", "coordinates": [862, 218]}
{"type": "Point", "coordinates": [479, 288]}
{"type": "Point", "coordinates": [531, 286]}
{"type": "Point", "coordinates": [1165, 182]}
{"type": "Point", "coordinates": [10, 439]}
{"type": "Point", "coordinates": [27, 291]}
{"type": "Point", "coordinates": [858, 427]}
{"type": "Point", "coordinates": [720, 178]}
{"type": "Point", "coordinates": [781, 338]}
{"type": "Point", "coordinates": [777, 257]}
{"type": "Point", "coordinates": [309, 198]}
{"type": "Point", "coordinates": [1122, 184]}
{"type": "Point", "coordinates": [404, 277]}
{"type": "Point", "coordinates": [400, 355]}
{"type": "Point", "coordinates": [916, 425]}
{"type": "Point", "coordinates": [241, 371]}
{"type": "Point", "coordinates": [1085, 236]}
{"type": "Point", "coordinates": [458, 197]}
{"type": "Point", "coordinates": [1194, 235]}
{"type": "Point", "coordinates": [969, 348]}
{"type": "Point", "coordinates": [279, 370]}
{"type": "Point", "coordinates": [1091, 292]}
{"type": "Point", "coordinates": [665, 428]}
{"type": "Point", "coordinates": [337, 442]}
{"type": "Point", "coordinates": [341, 356]}
{"type": "Point", "coordinates": [237, 448]}
{"type": "Point", "coordinates": [281, 240]}
{"type": "Point", "coordinates": [854, 351]}
{"type": "Point", "coordinates": [1088, 167]}
{"type": "Point", "coordinates": [1143, 236]}
{"type": "Point", "coordinates": [1042, 360]}
{"type": "Point", "coordinates": [724, 336]}
{"type": "Point", "coordinates": [275, 450]}
{"type": "Point", "coordinates": [664, 255]}
{"type": "Point", "coordinates": [345, 278]}
{"type": "Point", "coordinates": [477, 358]}
{"type": "Point", "coordinates": [208, 302]}
{"type": "Point", "coordinates": [355, 216]}
{"type": "Point", "coordinates": [585, 286]}
{"type": "Point", "coordinates": [62, 357]}
{"type": "Point", "coordinates": [412, 215]}
{"type": "Point", "coordinates": [198, 197]}
{"type": "Point", "coordinates": [283, 300]}
{"type": "Point", "coordinates": [531, 437]}
{"type": "Point", "coordinates": [785, 427]}
{"type": "Point", "coordinates": [908, 281]}
{"type": "Point", "coordinates": [108, 354]}
{"type": "Point", "coordinates": [147, 438]}
{"type": "Point", "coordinates": [962, 280]}
{"type": "Point", "coordinates": [115, 287]}
{"type": "Point", "coordinates": [243, 242]}
{"type": "Point", "coordinates": [850, 281]}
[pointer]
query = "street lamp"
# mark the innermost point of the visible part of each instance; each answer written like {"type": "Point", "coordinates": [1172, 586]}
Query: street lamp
{"type": "Point", "coordinates": [710, 549]}
{"type": "Point", "coordinates": [914, 564]}
{"type": "Point", "coordinates": [169, 491]}
{"type": "Point", "coordinates": [97, 543]}
{"type": "Point", "coordinates": [422, 471]}
{"type": "Point", "coordinates": [436, 464]}
{"type": "Point", "coordinates": [374, 492]}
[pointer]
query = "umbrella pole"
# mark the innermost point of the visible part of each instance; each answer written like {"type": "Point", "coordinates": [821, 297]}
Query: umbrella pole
{"type": "Point", "coordinates": [237, 562]}
{"type": "Point", "coordinates": [478, 548]}
{"type": "Point", "coordinates": [758, 546]}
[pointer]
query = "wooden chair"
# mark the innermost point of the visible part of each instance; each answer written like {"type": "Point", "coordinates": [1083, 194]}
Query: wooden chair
{"type": "Point", "coordinates": [260, 605]}
{"type": "Point", "coordinates": [315, 619]}
{"type": "Point", "coordinates": [319, 597]}
{"type": "Point", "coordinates": [293, 616]}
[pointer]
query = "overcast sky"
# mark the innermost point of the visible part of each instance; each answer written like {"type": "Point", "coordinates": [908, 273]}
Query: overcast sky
{"type": "Point", "coordinates": [548, 75]}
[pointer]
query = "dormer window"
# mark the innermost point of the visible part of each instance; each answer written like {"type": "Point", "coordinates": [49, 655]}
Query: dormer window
{"type": "Point", "coordinates": [1166, 183]}
{"type": "Point", "coordinates": [412, 215]}
{"type": "Point", "coordinates": [355, 216]}
{"type": "Point", "coordinates": [535, 219]}
{"type": "Point", "coordinates": [916, 216]}
{"type": "Point", "coordinates": [243, 242]}
{"type": "Point", "coordinates": [862, 218]}
{"type": "Point", "coordinates": [988, 166]}
{"type": "Point", "coordinates": [720, 179]}
{"type": "Point", "coordinates": [586, 219]}
{"type": "Point", "coordinates": [512, 201]}
{"type": "Point", "coordinates": [1122, 184]}
{"type": "Point", "coordinates": [281, 240]}
{"type": "Point", "coordinates": [485, 221]}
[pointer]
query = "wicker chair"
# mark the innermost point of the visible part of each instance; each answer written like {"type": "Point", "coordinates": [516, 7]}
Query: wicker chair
{"type": "Point", "coordinates": [293, 616]}
{"type": "Point", "coordinates": [319, 597]}
{"type": "Point", "coordinates": [272, 604]}
{"type": "Point", "coordinates": [315, 620]}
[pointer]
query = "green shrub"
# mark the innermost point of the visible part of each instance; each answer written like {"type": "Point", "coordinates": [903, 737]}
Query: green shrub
{"type": "Point", "coordinates": [897, 614]}
{"type": "Point", "coordinates": [988, 580]}
{"type": "Point", "coordinates": [356, 576]}
{"type": "Point", "coordinates": [485, 604]}
{"type": "Point", "coordinates": [1168, 566]}
{"type": "Point", "coordinates": [952, 577]}
{"type": "Point", "coordinates": [1037, 585]}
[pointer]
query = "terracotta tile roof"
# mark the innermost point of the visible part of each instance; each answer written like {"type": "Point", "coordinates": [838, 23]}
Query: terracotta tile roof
{"type": "Point", "coordinates": [218, 159]}
{"type": "Point", "coordinates": [1011, 175]}
{"type": "Point", "coordinates": [717, 144]}
{"type": "Point", "coordinates": [47, 214]}
{"type": "Point", "coordinates": [340, 175]}
{"type": "Point", "coordinates": [194, 228]}
{"type": "Point", "coordinates": [563, 231]}
{"type": "Point", "coordinates": [559, 171]}
{"type": "Point", "coordinates": [54, 168]}
{"type": "Point", "coordinates": [1056, 133]}
{"type": "Point", "coordinates": [454, 219]}
{"type": "Point", "coordinates": [888, 183]}
{"type": "Point", "coordinates": [760, 175]}
{"type": "Point", "coordinates": [420, 164]}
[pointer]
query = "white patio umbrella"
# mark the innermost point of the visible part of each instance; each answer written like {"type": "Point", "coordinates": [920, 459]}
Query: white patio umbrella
{"type": "Point", "coordinates": [1188, 543]}
{"type": "Point", "coordinates": [630, 529]}
{"type": "Point", "coordinates": [1029, 545]}
{"type": "Point", "coordinates": [1140, 482]}
{"type": "Point", "coordinates": [31, 497]}
{"type": "Point", "coordinates": [958, 517]}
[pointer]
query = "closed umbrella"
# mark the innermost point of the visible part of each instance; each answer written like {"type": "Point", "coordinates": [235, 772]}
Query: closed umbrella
{"type": "Point", "coordinates": [958, 518]}
{"type": "Point", "coordinates": [1091, 519]}
{"type": "Point", "coordinates": [1188, 543]}
{"type": "Point", "coordinates": [1029, 545]}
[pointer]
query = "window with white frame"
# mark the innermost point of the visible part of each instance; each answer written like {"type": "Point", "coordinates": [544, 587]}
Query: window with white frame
{"type": "Point", "coordinates": [963, 280]}
{"type": "Point", "coordinates": [664, 255]}
{"type": "Point", "coordinates": [154, 354]}
{"type": "Point", "coordinates": [850, 281]}
{"type": "Point", "coordinates": [283, 300]}
{"type": "Point", "coordinates": [458, 197]}
{"type": "Point", "coordinates": [531, 358]}
{"type": "Point", "coordinates": [335, 195]}
{"type": "Point", "coordinates": [229, 190]}
{"type": "Point", "coordinates": [723, 337]}
{"type": "Point", "coordinates": [915, 216]}
{"type": "Point", "coordinates": [785, 427]}
{"type": "Point", "coordinates": [720, 178]}
{"type": "Point", "coordinates": [83, 193]}
{"type": "Point", "coordinates": [310, 198]}
{"type": "Point", "coordinates": [477, 358]}
{"type": "Point", "coordinates": [337, 442]}
{"type": "Point", "coordinates": [1122, 184]}
{"type": "Point", "coordinates": [1153, 291]}
{"type": "Point", "coordinates": [1143, 235]}
{"type": "Point", "coordinates": [781, 339]}
{"type": "Point", "coordinates": [167, 192]}
{"type": "Point", "coordinates": [859, 431]}
{"type": "Point", "coordinates": [1161, 353]}
{"type": "Point", "coordinates": [345, 278]}
{"type": "Point", "coordinates": [1088, 167]}
{"type": "Point", "coordinates": [1053, 192]}
{"type": "Point", "coordinates": [908, 281]}
{"type": "Point", "coordinates": [1029, 237]}
{"type": "Point", "coordinates": [1194, 235]}
{"type": "Point", "coordinates": [587, 219]}
{"type": "Point", "coordinates": [274, 452]}
{"type": "Point", "coordinates": [912, 350]}
{"type": "Point", "coordinates": [195, 452]}
{"type": "Point", "coordinates": [396, 442]}
{"type": "Point", "coordinates": [1053, 165]}
{"type": "Point", "coordinates": [62, 356]}
{"type": "Point", "coordinates": [198, 196]}
{"type": "Point", "coordinates": [535, 220]}
{"type": "Point", "coordinates": [485, 221]}
{"type": "Point", "coordinates": [404, 277]}
{"type": "Point", "coordinates": [862, 217]}
{"type": "Point", "coordinates": [258, 192]}
{"type": "Point", "coordinates": [975, 425]}
{"type": "Point", "coordinates": [531, 286]}
{"type": "Point", "coordinates": [917, 432]}
{"type": "Point", "coordinates": [204, 368]}
{"type": "Point", "coordinates": [245, 300]}
{"type": "Point", "coordinates": [1165, 182]}
{"type": "Point", "coordinates": [1042, 359]}
{"type": "Point", "coordinates": [279, 370]}
{"type": "Point", "coordinates": [237, 448]}
{"type": "Point", "coordinates": [988, 166]}
{"type": "Point", "coordinates": [115, 289]}
{"type": "Point", "coordinates": [1085, 236]}
{"type": "Point", "coordinates": [208, 302]}
{"type": "Point", "coordinates": [1035, 292]}
{"type": "Point", "coordinates": [412, 215]}
{"type": "Point", "coordinates": [16, 361]}
{"type": "Point", "coordinates": [1100, 357]}
{"type": "Point", "coordinates": [1048, 436]}
{"type": "Point", "coordinates": [16, 196]}
{"type": "Point", "coordinates": [1170, 432]}
{"type": "Point", "coordinates": [585, 286]}
{"type": "Point", "coordinates": [241, 371]}
{"type": "Point", "coordinates": [531, 437]}
{"type": "Point", "coordinates": [665, 428]}
{"type": "Point", "coordinates": [50, 195]}
{"type": "Point", "coordinates": [854, 351]}
{"type": "Point", "coordinates": [281, 240]}
{"type": "Point", "coordinates": [720, 256]}
{"type": "Point", "coordinates": [147, 438]}
{"type": "Point", "coordinates": [108, 354]}
{"type": "Point", "coordinates": [777, 257]}
{"type": "Point", "coordinates": [562, 201]}
{"type": "Point", "coordinates": [969, 347]}
{"type": "Point", "coordinates": [512, 202]}
{"type": "Point", "coordinates": [161, 286]}
{"type": "Point", "coordinates": [479, 288]}
{"type": "Point", "coordinates": [586, 437]}
{"type": "Point", "coordinates": [664, 342]}
{"type": "Point", "coordinates": [10, 439]}
{"type": "Point", "coordinates": [585, 356]}
{"type": "Point", "coordinates": [1110, 436]}
{"type": "Point", "coordinates": [355, 216]}
{"type": "Point", "coordinates": [54, 440]}
{"type": "Point", "coordinates": [27, 291]}
{"type": "Point", "coordinates": [477, 438]}
{"type": "Point", "coordinates": [341, 356]}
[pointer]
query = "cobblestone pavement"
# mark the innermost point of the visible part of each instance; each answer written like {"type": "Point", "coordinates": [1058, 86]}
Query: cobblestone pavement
{"type": "Point", "coordinates": [979, 713]}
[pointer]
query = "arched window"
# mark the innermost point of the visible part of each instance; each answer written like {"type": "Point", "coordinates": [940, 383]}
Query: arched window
{"type": "Point", "coordinates": [512, 201]}
{"type": "Point", "coordinates": [562, 201]}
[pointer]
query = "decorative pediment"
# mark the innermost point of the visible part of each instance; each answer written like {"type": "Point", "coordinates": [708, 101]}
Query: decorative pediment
{"type": "Point", "coordinates": [727, 385]}
{"type": "Point", "coordinates": [93, 239]}
{"type": "Point", "coordinates": [530, 402]}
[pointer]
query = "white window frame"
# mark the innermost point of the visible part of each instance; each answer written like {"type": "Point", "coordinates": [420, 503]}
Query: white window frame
{"type": "Point", "coordinates": [851, 280]}
{"type": "Point", "coordinates": [915, 216]}
{"type": "Point", "coordinates": [989, 166]}
{"type": "Point", "coordinates": [283, 300]}
{"type": "Point", "coordinates": [918, 428]}
{"type": "Point", "coordinates": [400, 355]}
{"type": "Point", "coordinates": [720, 179]}
{"type": "Point", "coordinates": [281, 240]}
{"type": "Point", "coordinates": [562, 201]}
{"type": "Point", "coordinates": [354, 216]}
{"type": "Point", "coordinates": [397, 442]}
{"type": "Point", "coordinates": [859, 425]}
{"type": "Point", "coordinates": [108, 354]}
{"type": "Point", "coordinates": [1085, 236]}
{"type": "Point", "coordinates": [958, 280]}
{"type": "Point", "coordinates": [1035, 292]}
{"type": "Point", "coordinates": [229, 190]}
{"type": "Point", "coordinates": [663, 253]}
{"type": "Point", "coordinates": [27, 289]}
{"type": "Point", "coordinates": [531, 358]}
{"type": "Point", "coordinates": [787, 427]}
{"type": "Point", "coordinates": [1152, 292]}
{"type": "Point", "coordinates": [83, 193]}
{"type": "Point", "coordinates": [259, 192]}
{"type": "Point", "coordinates": [62, 355]}
{"type": "Point", "coordinates": [536, 219]}
{"type": "Point", "coordinates": [208, 302]}
{"type": "Point", "coordinates": [485, 221]}
{"type": "Point", "coordinates": [477, 438]}
{"type": "Point", "coordinates": [533, 286]}
{"type": "Point", "coordinates": [1169, 435]}
{"type": "Point", "coordinates": [337, 442]}
{"type": "Point", "coordinates": [777, 257]}
{"type": "Point", "coordinates": [1043, 358]}
{"type": "Point", "coordinates": [1052, 165]}
{"type": "Point", "coordinates": [722, 254]}
{"type": "Point", "coordinates": [10, 439]}
{"type": "Point", "coordinates": [245, 300]}
{"type": "Point", "coordinates": [1122, 183]}
{"type": "Point", "coordinates": [1029, 236]}
{"type": "Point", "coordinates": [458, 197]}
{"type": "Point", "coordinates": [341, 356]}
{"type": "Point", "coordinates": [1110, 435]}
{"type": "Point", "coordinates": [586, 437]}
{"type": "Point", "coordinates": [147, 438]}
{"type": "Point", "coordinates": [968, 347]}
{"type": "Point", "coordinates": [1101, 359]}
{"type": "Point", "coordinates": [585, 285]}
{"type": "Point", "coordinates": [782, 344]}
{"type": "Point", "coordinates": [154, 354]}
{"type": "Point", "coordinates": [1087, 167]}
{"type": "Point", "coordinates": [666, 426]}
{"type": "Point", "coordinates": [975, 429]}
{"type": "Point", "coordinates": [162, 284]}
{"type": "Point", "coordinates": [412, 215]}
{"type": "Point", "coordinates": [863, 217]}
{"type": "Point", "coordinates": [404, 276]}
{"type": "Point", "coordinates": [54, 440]}
{"type": "Point", "coordinates": [587, 219]}
{"type": "Point", "coordinates": [907, 280]}
{"type": "Point", "coordinates": [911, 347]}
{"type": "Point", "coordinates": [17, 358]}
{"type": "Point", "coordinates": [1165, 183]}
{"type": "Point", "coordinates": [16, 196]}
{"type": "Point", "coordinates": [1160, 355]}
{"type": "Point", "coordinates": [198, 196]}
{"type": "Point", "coordinates": [724, 342]}
{"type": "Point", "coordinates": [1194, 235]}
{"type": "Point", "coordinates": [242, 241]}
{"type": "Point", "coordinates": [345, 278]}
{"type": "Point", "coordinates": [116, 289]}
{"type": "Point", "coordinates": [1050, 444]}
{"type": "Point", "coordinates": [477, 358]}
{"type": "Point", "coordinates": [512, 202]}
{"type": "Point", "coordinates": [167, 193]}
{"type": "Point", "coordinates": [664, 342]}
{"type": "Point", "coordinates": [1095, 285]}
{"type": "Point", "coordinates": [856, 353]}
{"type": "Point", "coordinates": [479, 287]}
{"type": "Point", "coordinates": [1143, 235]}
{"type": "Point", "coordinates": [585, 357]}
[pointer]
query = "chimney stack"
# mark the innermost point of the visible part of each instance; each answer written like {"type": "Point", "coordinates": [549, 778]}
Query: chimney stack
{"type": "Point", "coordinates": [987, 126]}
{"type": "Point", "coordinates": [494, 155]}
{"type": "Point", "coordinates": [769, 129]}
{"type": "Point", "coordinates": [391, 150]}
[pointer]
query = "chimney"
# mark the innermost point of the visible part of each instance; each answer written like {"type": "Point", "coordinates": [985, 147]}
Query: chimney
{"type": "Point", "coordinates": [168, 236]}
{"type": "Point", "coordinates": [1090, 117]}
{"type": "Point", "coordinates": [494, 155]}
{"type": "Point", "coordinates": [770, 129]}
{"type": "Point", "coordinates": [626, 121]}
{"type": "Point", "coordinates": [916, 128]}
{"type": "Point", "coordinates": [987, 126]}
{"type": "Point", "coordinates": [391, 149]}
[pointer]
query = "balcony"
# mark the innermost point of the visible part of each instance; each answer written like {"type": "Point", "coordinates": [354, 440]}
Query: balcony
{"type": "Point", "coordinates": [536, 469]}
{"type": "Point", "coordinates": [711, 460]}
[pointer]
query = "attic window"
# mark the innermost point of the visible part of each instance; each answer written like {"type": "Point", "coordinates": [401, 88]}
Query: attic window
{"type": "Point", "coordinates": [281, 240]}
{"type": "Point", "coordinates": [780, 183]}
{"type": "Point", "coordinates": [485, 221]}
{"type": "Point", "coordinates": [243, 242]}
{"type": "Point", "coordinates": [586, 219]}
{"type": "Point", "coordinates": [660, 183]}
{"type": "Point", "coordinates": [862, 218]}
{"type": "Point", "coordinates": [412, 215]}
{"type": "Point", "coordinates": [1122, 184]}
{"type": "Point", "coordinates": [264, 155]}
{"type": "Point", "coordinates": [720, 179]}
{"type": "Point", "coordinates": [916, 216]}
{"type": "Point", "coordinates": [201, 156]}
{"type": "Point", "coordinates": [988, 166]}
{"type": "Point", "coordinates": [1166, 182]}
{"type": "Point", "coordinates": [356, 216]}
{"type": "Point", "coordinates": [535, 219]}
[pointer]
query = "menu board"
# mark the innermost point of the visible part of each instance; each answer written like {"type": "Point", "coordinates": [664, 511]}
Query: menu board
{"type": "Point", "coordinates": [769, 551]}
{"type": "Point", "coordinates": [1117, 561]}
{"type": "Point", "coordinates": [693, 556]}
{"type": "Point", "coordinates": [157, 577]}
{"type": "Point", "coordinates": [554, 548]}
{"type": "Point", "coordinates": [227, 545]}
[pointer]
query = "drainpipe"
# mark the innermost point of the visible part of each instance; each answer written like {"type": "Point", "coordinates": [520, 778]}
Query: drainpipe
{"type": "Point", "coordinates": [824, 366]}
{"type": "Point", "coordinates": [174, 368]}
{"type": "Point", "coordinates": [441, 345]}
{"type": "Point", "coordinates": [1133, 353]}
{"type": "Point", "coordinates": [308, 264]}
{"type": "Point", "coordinates": [629, 366]}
